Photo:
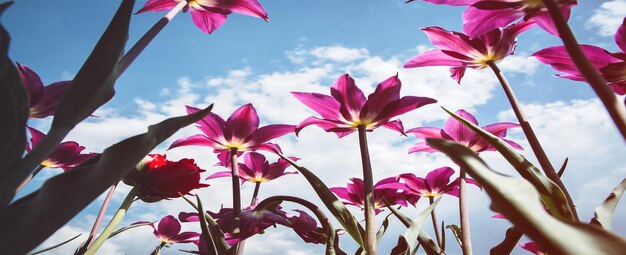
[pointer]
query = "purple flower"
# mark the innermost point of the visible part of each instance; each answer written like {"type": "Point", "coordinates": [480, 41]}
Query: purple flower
{"type": "Point", "coordinates": [66, 156]}
{"type": "Point", "coordinates": [353, 194]}
{"type": "Point", "coordinates": [460, 51]}
{"type": "Point", "coordinates": [532, 247]}
{"type": "Point", "coordinates": [456, 131]}
{"type": "Point", "coordinates": [257, 169]}
{"type": "Point", "coordinates": [239, 132]}
{"type": "Point", "coordinates": [43, 99]}
{"type": "Point", "coordinates": [612, 66]}
{"type": "Point", "coordinates": [209, 15]}
{"type": "Point", "coordinates": [347, 108]}
{"type": "Point", "coordinates": [305, 226]}
{"type": "Point", "coordinates": [436, 183]}
{"type": "Point", "coordinates": [168, 231]}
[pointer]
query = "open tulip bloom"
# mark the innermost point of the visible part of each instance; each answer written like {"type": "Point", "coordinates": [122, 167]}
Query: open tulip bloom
{"type": "Point", "coordinates": [484, 15]}
{"type": "Point", "coordinates": [436, 183]}
{"type": "Point", "coordinates": [66, 156]}
{"type": "Point", "coordinates": [209, 15]}
{"type": "Point", "coordinates": [240, 132]}
{"type": "Point", "coordinates": [612, 66]}
{"type": "Point", "coordinates": [384, 192]}
{"type": "Point", "coordinates": [459, 51]}
{"type": "Point", "coordinates": [256, 169]}
{"type": "Point", "coordinates": [347, 108]}
{"type": "Point", "coordinates": [168, 231]}
{"type": "Point", "coordinates": [456, 131]}
{"type": "Point", "coordinates": [43, 99]}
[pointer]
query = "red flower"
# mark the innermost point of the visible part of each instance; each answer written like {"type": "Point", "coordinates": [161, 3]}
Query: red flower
{"type": "Point", "coordinates": [161, 179]}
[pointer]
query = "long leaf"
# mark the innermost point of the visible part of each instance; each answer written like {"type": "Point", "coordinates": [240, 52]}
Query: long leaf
{"type": "Point", "coordinates": [92, 87]}
{"type": "Point", "coordinates": [519, 201]}
{"type": "Point", "coordinates": [206, 233]}
{"type": "Point", "coordinates": [215, 229]}
{"type": "Point", "coordinates": [604, 213]}
{"type": "Point", "coordinates": [338, 209]}
{"type": "Point", "coordinates": [430, 246]}
{"type": "Point", "coordinates": [32, 219]}
{"type": "Point", "coordinates": [406, 241]}
{"type": "Point", "coordinates": [381, 231]}
{"type": "Point", "coordinates": [14, 106]}
{"type": "Point", "coordinates": [54, 246]}
{"type": "Point", "coordinates": [551, 194]}
{"type": "Point", "coordinates": [511, 238]}
{"type": "Point", "coordinates": [457, 233]}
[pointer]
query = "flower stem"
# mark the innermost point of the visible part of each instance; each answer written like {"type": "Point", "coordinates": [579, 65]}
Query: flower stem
{"type": "Point", "coordinates": [368, 190]}
{"type": "Point", "coordinates": [157, 250]}
{"type": "Point", "coordinates": [114, 221]}
{"type": "Point", "coordinates": [29, 178]}
{"type": "Point", "coordinates": [96, 224]}
{"type": "Point", "coordinates": [465, 225]}
{"type": "Point", "coordinates": [140, 45]}
{"type": "Point", "coordinates": [433, 215]}
{"type": "Point", "coordinates": [255, 194]}
{"type": "Point", "coordinates": [543, 159]}
{"type": "Point", "coordinates": [237, 249]}
{"type": "Point", "coordinates": [598, 84]}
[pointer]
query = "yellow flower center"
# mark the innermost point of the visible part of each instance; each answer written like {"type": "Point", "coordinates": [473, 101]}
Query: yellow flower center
{"type": "Point", "coordinates": [47, 164]}
{"type": "Point", "coordinates": [534, 3]}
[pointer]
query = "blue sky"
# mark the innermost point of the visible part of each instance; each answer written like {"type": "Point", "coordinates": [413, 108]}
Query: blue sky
{"type": "Point", "coordinates": [305, 46]}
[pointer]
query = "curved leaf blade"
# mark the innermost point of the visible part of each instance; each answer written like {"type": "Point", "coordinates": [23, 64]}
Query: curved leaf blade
{"type": "Point", "coordinates": [603, 215]}
{"type": "Point", "coordinates": [54, 246]}
{"type": "Point", "coordinates": [430, 246]}
{"type": "Point", "coordinates": [29, 220]}
{"type": "Point", "coordinates": [405, 244]}
{"type": "Point", "coordinates": [519, 201]}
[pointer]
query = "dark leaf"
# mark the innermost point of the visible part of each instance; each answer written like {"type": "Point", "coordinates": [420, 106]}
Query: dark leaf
{"type": "Point", "coordinates": [53, 247]}
{"type": "Point", "coordinates": [511, 239]}
{"type": "Point", "coordinates": [457, 233]}
{"type": "Point", "coordinates": [562, 170]}
{"type": "Point", "coordinates": [206, 233]}
{"type": "Point", "coordinates": [32, 219]}
{"type": "Point", "coordinates": [216, 232]}
{"type": "Point", "coordinates": [603, 215]}
{"type": "Point", "coordinates": [406, 242]}
{"type": "Point", "coordinates": [519, 202]}
{"type": "Point", "coordinates": [430, 246]}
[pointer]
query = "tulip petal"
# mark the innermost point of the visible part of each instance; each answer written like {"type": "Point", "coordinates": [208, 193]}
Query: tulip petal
{"type": "Point", "coordinates": [426, 132]}
{"type": "Point", "coordinates": [157, 6]}
{"type": "Point", "coordinates": [185, 237]}
{"type": "Point", "coordinates": [32, 82]}
{"type": "Point", "coordinates": [439, 179]}
{"type": "Point", "coordinates": [450, 2]}
{"type": "Point", "coordinates": [199, 140]}
{"type": "Point", "coordinates": [351, 98]}
{"type": "Point", "coordinates": [269, 132]}
{"type": "Point", "coordinates": [453, 41]}
{"type": "Point", "coordinates": [459, 132]}
{"type": "Point", "coordinates": [404, 105]}
{"type": "Point", "coordinates": [479, 21]}
{"type": "Point", "coordinates": [326, 106]}
{"type": "Point", "coordinates": [395, 125]}
{"type": "Point", "coordinates": [620, 36]}
{"type": "Point", "coordinates": [188, 217]}
{"type": "Point", "coordinates": [212, 124]}
{"type": "Point", "coordinates": [457, 73]}
{"type": "Point", "coordinates": [243, 122]}
{"type": "Point", "coordinates": [421, 147]}
{"type": "Point", "coordinates": [207, 21]}
{"type": "Point", "coordinates": [386, 92]}
{"type": "Point", "coordinates": [35, 138]}
{"type": "Point", "coordinates": [219, 175]}
{"type": "Point", "coordinates": [169, 227]}
{"type": "Point", "coordinates": [433, 58]}
{"type": "Point", "coordinates": [49, 101]}
{"type": "Point", "coordinates": [325, 124]}
{"type": "Point", "coordinates": [247, 7]}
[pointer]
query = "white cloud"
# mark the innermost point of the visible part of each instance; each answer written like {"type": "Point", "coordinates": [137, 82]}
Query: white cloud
{"type": "Point", "coordinates": [566, 129]}
{"type": "Point", "coordinates": [608, 17]}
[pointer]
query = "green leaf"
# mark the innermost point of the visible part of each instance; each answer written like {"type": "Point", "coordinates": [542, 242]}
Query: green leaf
{"type": "Point", "coordinates": [511, 238]}
{"type": "Point", "coordinates": [430, 246]}
{"type": "Point", "coordinates": [31, 219]}
{"type": "Point", "coordinates": [381, 231]}
{"type": "Point", "coordinates": [338, 209]}
{"type": "Point", "coordinates": [603, 215]}
{"type": "Point", "coordinates": [14, 106]}
{"type": "Point", "coordinates": [406, 241]}
{"type": "Point", "coordinates": [518, 201]}
{"type": "Point", "coordinates": [54, 246]}
{"type": "Point", "coordinates": [551, 194]}
{"type": "Point", "coordinates": [216, 232]}
{"type": "Point", "coordinates": [92, 87]}
{"type": "Point", "coordinates": [206, 233]}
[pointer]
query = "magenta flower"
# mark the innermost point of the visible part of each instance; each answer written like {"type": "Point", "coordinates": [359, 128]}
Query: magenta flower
{"type": "Point", "coordinates": [348, 109]}
{"type": "Point", "coordinates": [612, 66]}
{"type": "Point", "coordinates": [456, 131]}
{"type": "Point", "coordinates": [257, 169]}
{"type": "Point", "coordinates": [353, 194]}
{"type": "Point", "coordinates": [66, 156]}
{"type": "Point", "coordinates": [240, 132]}
{"type": "Point", "coordinates": [460, 51]}
{"type": "Point", "coordinates": [252, 222]}
{"type": "Point", "coordinates": [305, 226]}
{"type": "Point", "coordinates": [209, 15]}
{"type": "Point", "coordinates": [168, 231]}
{"type": "Point", "coordinates": [43, 99]}
{"type": "Point", "coordinates": [532, 247]}
{"type": "Point", "coordinates": [436, 183]}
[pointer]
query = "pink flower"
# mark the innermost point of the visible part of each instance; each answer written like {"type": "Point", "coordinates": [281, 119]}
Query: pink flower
{"type": "Point", "coordinates": [66, 156]}
{"type": "Point", "coordinates": [43, 99]}
{"type": "Point", "coordinates": [460, 51]}
{"type": "Point", "coordinates": [353, 194]}
{"type": "Point", "coordinates": [436, 183]}
{"type": "Point", "coordinates": [305, 226]}
{"type": "Point", "coordinates": [209, 15]}
{"type": "Point", "coordinates": [347, 108]}
{"type": "Point", "coordinates": [240, 132]}
{"type": "Point", "coordinates": [168, 231]}
{"type": "Point", "coordinates": [257, 169]}
{"type": "Point", "coordinates": [456, 131]}
{"type": "Point", "coordinates": [484, 15]}
{"type": "Point", "coordinates": [532, 247]}
{"type": "Point", "coordinates": [612, 66]}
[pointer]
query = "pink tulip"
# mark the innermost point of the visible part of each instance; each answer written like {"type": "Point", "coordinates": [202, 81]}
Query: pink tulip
{"type": "Point", "coordinates": [257, 169]}
{"type": "Point", "coordinates": [66, 156]}
{"type": "Point", "coordinates": [43, 99]}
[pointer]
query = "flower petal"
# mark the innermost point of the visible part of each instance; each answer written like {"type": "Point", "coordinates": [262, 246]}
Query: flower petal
{"type": "Point", "coordinates": [168, 227]}
{"type": "Point", "coordinates": [351, 98]}
{"type": "Point", "coordinates": [269, 132]}
{"type": "Point", "coordinates": [157, 6]}
{"type": "Point", "coordinates": [479, 21]}
{"type": "Point", "coordinates": [219, 175]}
{"type": "Point", "coordinates": [453, 41]}
{"type": "Point", "coordinates": [433, 58]}
{"type": "Point", "coordinates": [47, 104]}
{"type": "Point", "coordinates": [246, 7]}
{"type": "Point", "coordinates": [395, 125]}
{"type": "Point", "coordinates": [243, 122]}
{"type": "Point", "coordinates": [426, 132]}
{"type": "Point", "coordinates": [32, 82]}
{"type": "Point", "coordinates": [35, 138]}
{"type": "Point", "coordinates": [439, 179]}
{"type": "Point", "coordinates": [620, 36]}
{"type": "Point", "coordinates": [459, 132]}
{"type": "Point", "coordinates": [421, 147]}
{"type": "Point", "coordinates": [326, 106]}
{"type": "Point", "coordinates": [327, 125]}
{"type": "Point", "coordinates": [211, 125]}
{"type": "Point", "coordinates": [386, 92]}
{"type": "Point", "coordinates": [200, 140]}
{"type": "Point", "coordinates": [544, 21]}
{"type": "Point", "coordinates": [207, 21]}
{"type": "Point", "coordinates": [185, 237]}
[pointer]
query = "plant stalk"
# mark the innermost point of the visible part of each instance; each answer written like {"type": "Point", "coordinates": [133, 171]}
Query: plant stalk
{"type": "Point", "coordinates": [29, 178]}
{"type": "Point", "coordinates": [96, 224]}
{"type": "Point", "coordinates": [598, 84]}
{"type": "Point", "coordinates": [465, 224]}
{"type": "Point", "coordinates": [368, 190]}
{"type": "Point", "coordinates": [536, 147]}
{"type": "Point", "coordinates": [117, 218]}
{"type": "Point", "coordinates": [433, 215]}
{"type": "Point", "coordinates": [236, 249]}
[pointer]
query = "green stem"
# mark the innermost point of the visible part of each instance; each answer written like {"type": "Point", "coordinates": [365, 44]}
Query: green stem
{"type": "Point", "coordinates": [435, 223]}
{"type": "Point", "coordinates": [117, 218]}
{"type": "Point", "coordinates": [236, 197]}
{"type": "Point", "coordinates": [536, 147]}
{"type": "Point", "coordinates": [368, 190]}
{"type": "Point", "coordinates": [157, 250]}
{"type": "Point", "coordinates": [465, 225]}
{"type": "Point", "coordinates": [598, 84]}
{"type": "Point", "coordinates": [96, 224]}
